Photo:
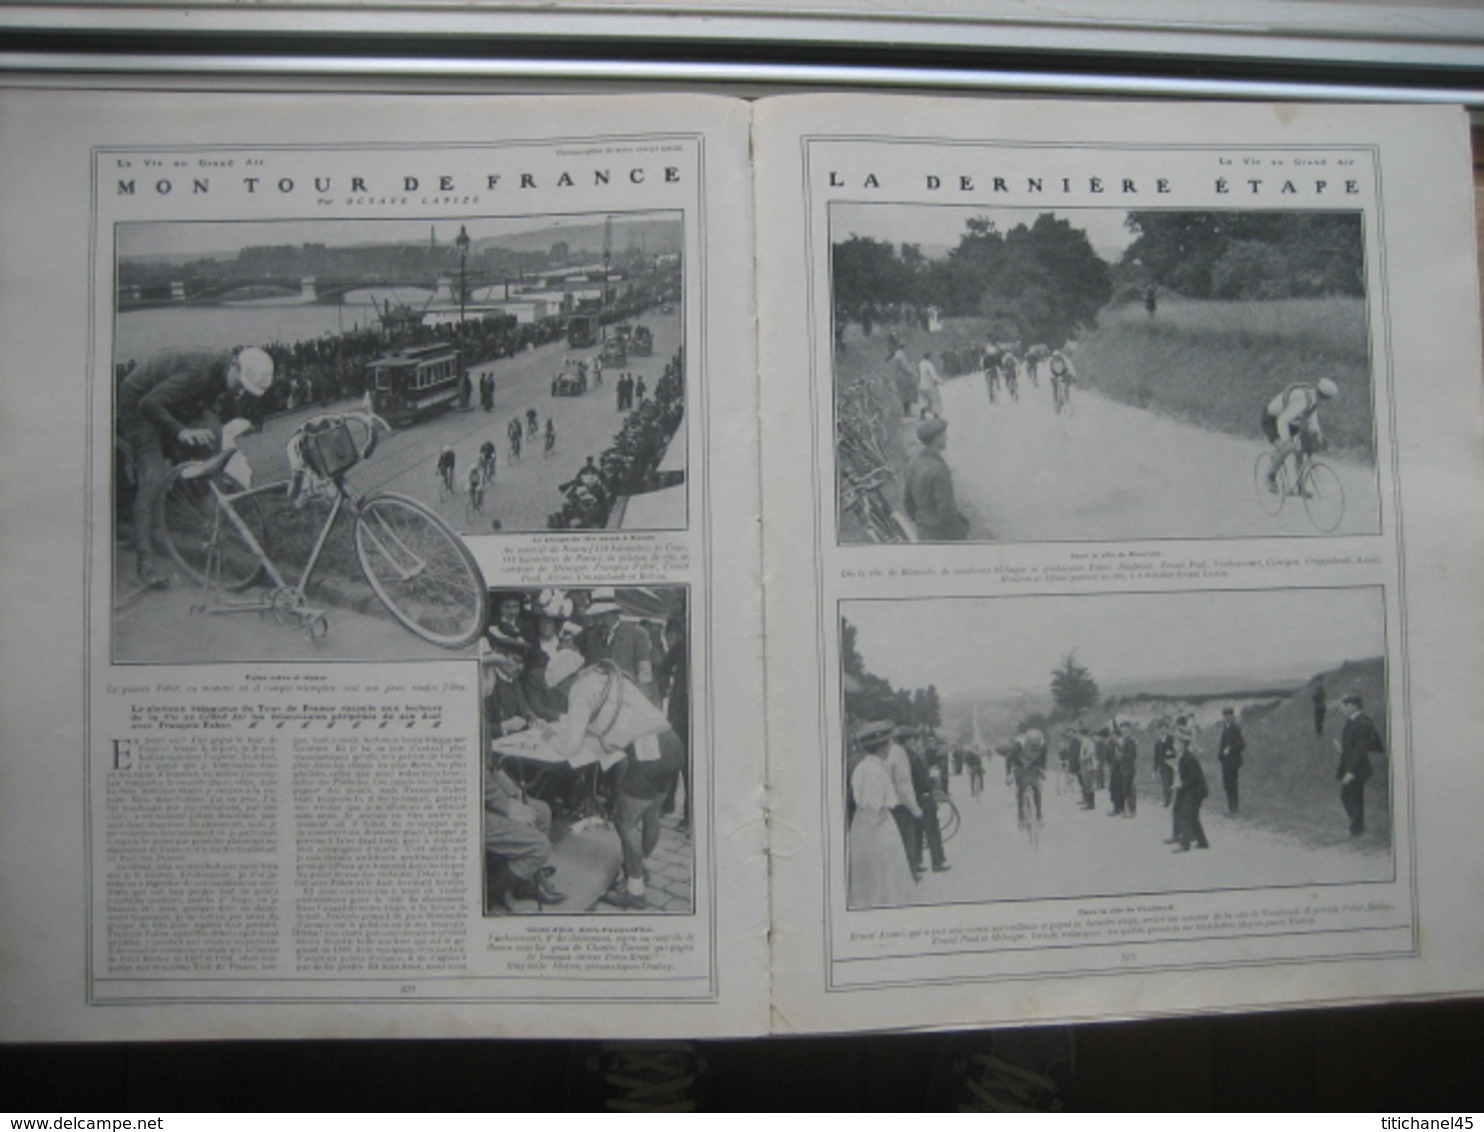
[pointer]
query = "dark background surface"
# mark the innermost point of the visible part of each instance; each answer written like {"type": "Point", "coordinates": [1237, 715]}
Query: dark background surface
{"type": "Point", "coordinates": [1396, 1058]}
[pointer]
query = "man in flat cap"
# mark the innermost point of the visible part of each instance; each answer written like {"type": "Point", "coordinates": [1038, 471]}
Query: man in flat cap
{"type": "Point", "coordinates": [1356, 744]}
{"type": "Point", "coordinates": [928, 495]}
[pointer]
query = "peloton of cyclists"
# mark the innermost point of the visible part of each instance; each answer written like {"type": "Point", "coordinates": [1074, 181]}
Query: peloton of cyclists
{"type": "Point", "coordinates": [1291, 424]}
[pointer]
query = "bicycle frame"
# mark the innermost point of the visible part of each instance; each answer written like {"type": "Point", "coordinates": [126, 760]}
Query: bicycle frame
{"type": "Point", "coordinates": [284, 599]}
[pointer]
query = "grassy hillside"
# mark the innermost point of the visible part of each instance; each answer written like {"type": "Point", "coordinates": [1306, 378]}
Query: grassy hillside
{"type": "Point", "coordinates": [1288, 774]}
{"type": "Point", "coordinates": [1219, 363]}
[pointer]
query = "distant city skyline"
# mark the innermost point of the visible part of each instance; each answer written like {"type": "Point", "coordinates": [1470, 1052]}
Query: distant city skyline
{"type": "Point", "coordinates": [228, 238]}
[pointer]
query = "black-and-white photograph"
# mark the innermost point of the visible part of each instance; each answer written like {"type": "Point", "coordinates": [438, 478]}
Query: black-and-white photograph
{"type": "Point", "coordinates": [1100, 374]}
{"type": "Point", "coordinates": [1075, 746]}
{"type": "Point", "coordinates": [587, 772]}
{"type": "Point", "coordinates": [311, 414]}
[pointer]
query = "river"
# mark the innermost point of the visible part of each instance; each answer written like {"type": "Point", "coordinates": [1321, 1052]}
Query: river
{"type": "Point", "coordinates": [141, 333]}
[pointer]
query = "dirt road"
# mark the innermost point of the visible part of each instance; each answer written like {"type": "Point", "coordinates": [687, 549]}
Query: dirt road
{"type": "Point", "coordinates": [1111, 471]}
{"type": "Point", "coordinates": [1088, 853]}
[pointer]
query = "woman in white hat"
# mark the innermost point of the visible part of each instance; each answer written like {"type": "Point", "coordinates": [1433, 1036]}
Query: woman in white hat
{"type": "Point", "coordinates": [879, 874]}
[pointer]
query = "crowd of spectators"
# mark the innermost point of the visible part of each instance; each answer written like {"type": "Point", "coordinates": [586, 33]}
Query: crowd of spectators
{"type": "Point", "coordinates": [630, 465]}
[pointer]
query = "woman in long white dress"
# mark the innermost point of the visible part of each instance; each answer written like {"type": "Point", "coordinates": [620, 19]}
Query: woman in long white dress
{"type": "Point", "coordinates": [879, 875]}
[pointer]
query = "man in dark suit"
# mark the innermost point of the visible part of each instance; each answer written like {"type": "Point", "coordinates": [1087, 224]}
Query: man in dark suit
{"type": "Point", "coordinates": [928, 828]}
{"type": "Point", "coordinates": [1164, 761]}
{"type": "Point", "coordinates": [1356, 744]}
{"type": "Point", "coordinates": [1190, 793]}
{"type": "Point", "coordinates": [1229, 750]}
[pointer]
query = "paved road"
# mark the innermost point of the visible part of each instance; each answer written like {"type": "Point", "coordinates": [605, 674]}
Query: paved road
{"type": "Point", "coordinates": [1112, 471]}
{"type": "Point", "coordinates": [1088, 853]}
{"type": "Point", "coordinates": [525, 491]}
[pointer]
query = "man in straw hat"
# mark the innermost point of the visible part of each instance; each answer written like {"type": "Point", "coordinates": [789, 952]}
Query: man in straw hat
{"type": "Point", "coordinates": [517, 828]}
{"type": "Point", "coordinates": [166, 411]}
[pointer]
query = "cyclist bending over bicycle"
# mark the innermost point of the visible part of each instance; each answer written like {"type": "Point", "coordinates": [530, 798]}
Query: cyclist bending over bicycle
{"type": "Point", "coordinates": [1026, 765]}
{"type": "Point", "coordinates": [166, 411]}
{"type": "Point", "coordinates": [1291, 424]}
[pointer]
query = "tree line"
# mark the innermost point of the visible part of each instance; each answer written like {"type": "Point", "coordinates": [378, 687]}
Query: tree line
{"type": "Point", "coordinates": [1249, 255]}
{"type": "Point", "coordinates": [1043, 282]}
{"type": "Point", "coordinates": [1040, 282]}
{"type": "Point", "coordinates": [870, 697]}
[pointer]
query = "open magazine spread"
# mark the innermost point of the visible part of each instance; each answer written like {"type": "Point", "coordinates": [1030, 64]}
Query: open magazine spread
{"type": "Point", "coordinates": [639, 566]}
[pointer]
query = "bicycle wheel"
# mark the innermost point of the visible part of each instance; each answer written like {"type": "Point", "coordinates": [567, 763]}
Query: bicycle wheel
{"type": "Point", "coordinates": [473, 508]}
{"type": "Point", "coordinates": [197, 529]}
{"type": "Point", "coordinates": [1270, 492]}
{"type": "Point", "coordinates": [421, 570]}
{"type": "Point", "coordinates": [948, 818]}
{"type": "Point", "coordinates": [1324, 496]}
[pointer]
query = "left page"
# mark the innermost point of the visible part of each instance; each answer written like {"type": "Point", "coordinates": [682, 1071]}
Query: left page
{"type": "Point", "coordinates": [378, 660]}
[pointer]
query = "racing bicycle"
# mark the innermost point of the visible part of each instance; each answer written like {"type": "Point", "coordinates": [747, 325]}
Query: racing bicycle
{"type": "Point", "coordinates": [474, 498]}
{"type": "Point", "coordinates": [1318, 485]}
{"type": "Point", "coordinates": [1025, 811]}
{"type": "Point", "coordinates": [218, 533]}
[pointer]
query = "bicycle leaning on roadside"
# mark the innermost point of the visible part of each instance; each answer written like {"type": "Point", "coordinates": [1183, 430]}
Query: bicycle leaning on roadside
{"type": "Point", "coordinates": [948, 816]}
{"type": "Point", "coordinates": [216, 531]}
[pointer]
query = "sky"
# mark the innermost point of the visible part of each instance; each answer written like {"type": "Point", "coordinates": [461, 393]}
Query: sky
{"type": "Point", "coordinates": [988, 646]}
{"type": "Point", "coordinates": [942, 225]}
{"type": "Point", "coordinates": [227, 238]}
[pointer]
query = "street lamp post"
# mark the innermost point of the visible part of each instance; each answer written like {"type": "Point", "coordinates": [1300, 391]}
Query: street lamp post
{"type": "Point", "coordinates": [462, 243]}
{"type": "Point", "coordinates": [466, 388]}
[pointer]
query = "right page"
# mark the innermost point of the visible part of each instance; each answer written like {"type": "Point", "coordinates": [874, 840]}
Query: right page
{"type": "Point", "coordinates": [1122, 540]}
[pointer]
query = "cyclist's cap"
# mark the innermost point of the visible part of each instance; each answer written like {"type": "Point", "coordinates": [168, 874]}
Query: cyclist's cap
{"type": "Point", "coordinates": [875, 734]}
{"type": "Point", "coordinates": [931, 428]}
{"type": "Point", "coordinates": [254, 370]}
{"type": "Point", "coordinates": [1328, 388]}
{"type": "Point", "coordinates": [1351, 698]}
{"type": "Point", "coordinates": [1227, 711]}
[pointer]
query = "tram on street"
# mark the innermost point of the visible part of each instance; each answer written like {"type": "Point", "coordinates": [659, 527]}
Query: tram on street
{"type": "Point", "coordinates": [415, 382]}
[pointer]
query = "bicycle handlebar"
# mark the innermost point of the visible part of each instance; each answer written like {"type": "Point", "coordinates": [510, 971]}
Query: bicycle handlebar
{"type": "Point", "coordinates": [364, 417]}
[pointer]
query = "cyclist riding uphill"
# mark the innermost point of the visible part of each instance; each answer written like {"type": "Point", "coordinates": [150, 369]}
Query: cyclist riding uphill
{"type": "Point", "coordinates": [166, 412]}
{"type": "Point", "coordinates": [1291, 423]}
{"type": "Point", "coordinates": [1026, 764]}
